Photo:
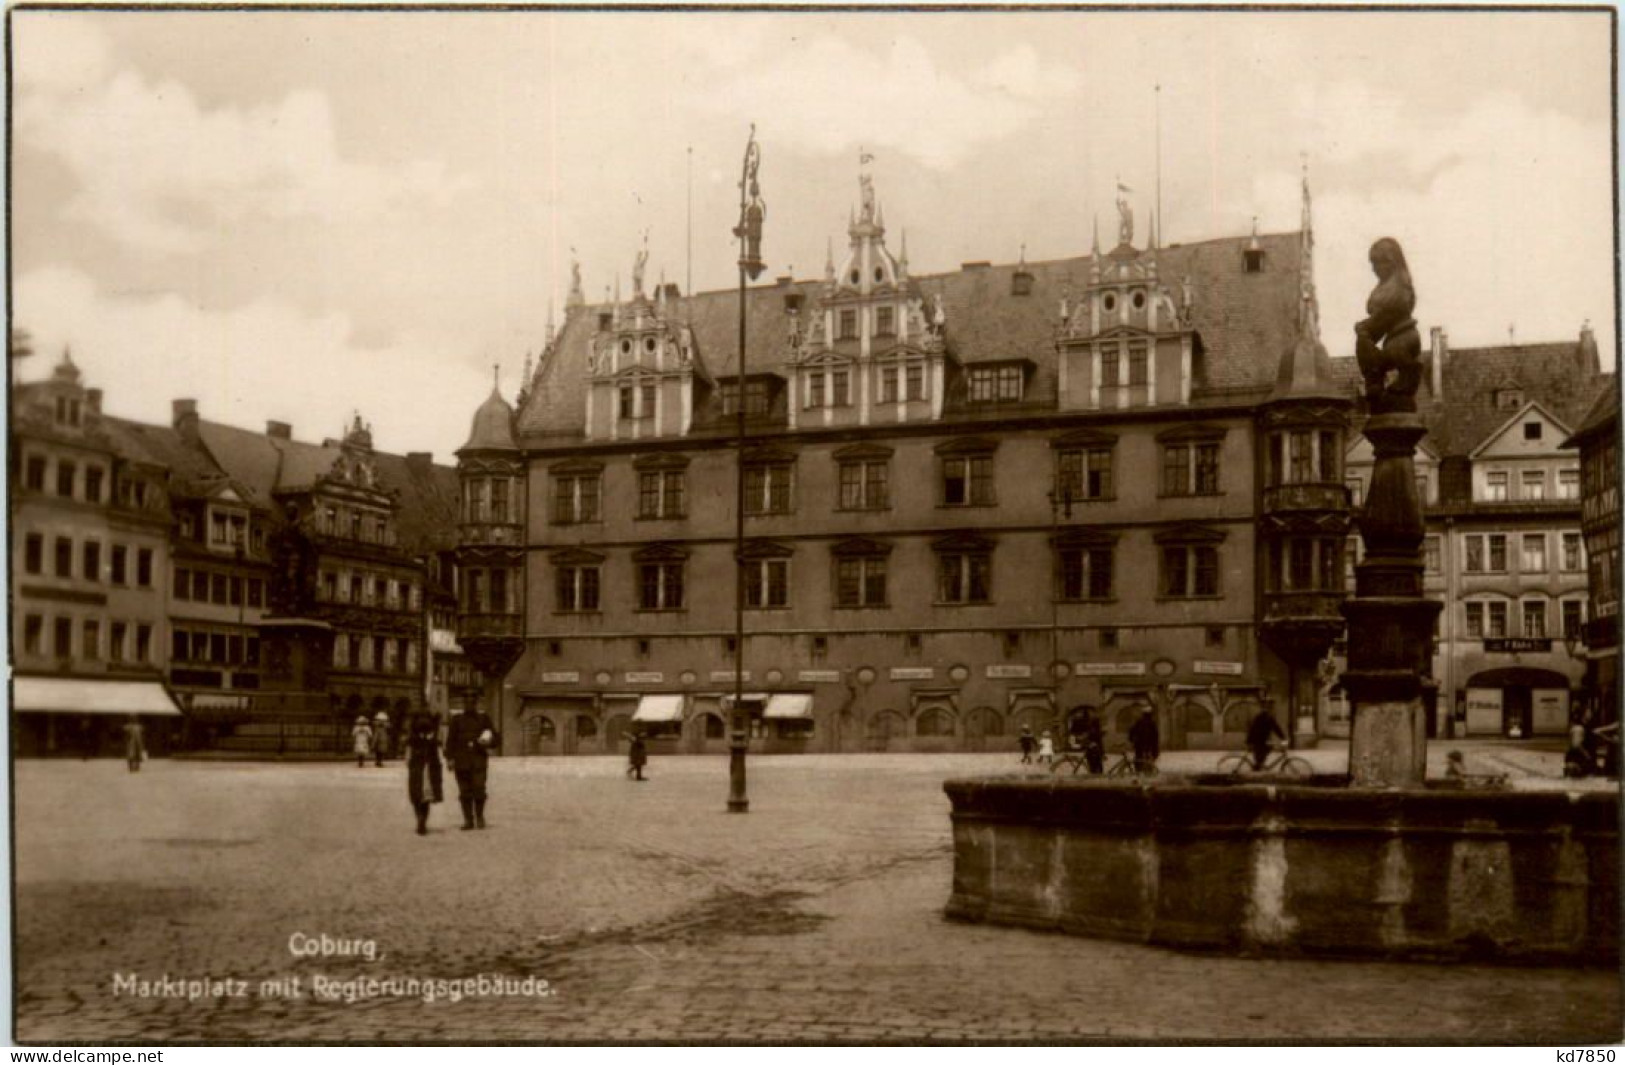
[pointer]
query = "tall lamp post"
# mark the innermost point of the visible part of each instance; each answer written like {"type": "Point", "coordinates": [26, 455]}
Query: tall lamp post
{"type": "Point", "coordinates": [749, 231]}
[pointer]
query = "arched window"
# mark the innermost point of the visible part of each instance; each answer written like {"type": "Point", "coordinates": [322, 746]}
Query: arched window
{"type": "Point", "coordinates": [934, 722]}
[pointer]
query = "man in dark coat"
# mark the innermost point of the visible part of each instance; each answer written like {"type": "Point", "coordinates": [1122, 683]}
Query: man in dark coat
{"type": "Point", "coordinates": [1094, 743]}
{"type": "Point", "coordinates": [1147, 741]}
{"type": "Point", "coordinates": [1027, 744]}
{"type": "Point", "coordinates": [468, 746]}
{"type": "Point", "coordinates": [638, 756]}
{"type": "Point", "coordinates": [1262, 729]}
{"type": "Point", "coordinates": [423, 779]}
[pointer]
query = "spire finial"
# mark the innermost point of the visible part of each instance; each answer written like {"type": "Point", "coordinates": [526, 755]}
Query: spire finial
{"type": "Point", "coordinates": [829, 258]}
{"type": "Point", "coordinates": [1094, 246]}
{"type": "Point", "coordinates": [1309, 302]}
{"type": "Point", "coordinates": [496, 384]}
{"type": "Point", "coordinates": [1023, 260]}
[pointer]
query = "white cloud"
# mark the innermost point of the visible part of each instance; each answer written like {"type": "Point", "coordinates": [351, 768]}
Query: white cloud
{"type": "Point", "coordinates": [830, 96]}
{"type": "Point", "coordinates": [57, 52]}
{"type": "Point", "coordinates": [265, 360]}
{"type": "Point", "coordinates": [159, 171]}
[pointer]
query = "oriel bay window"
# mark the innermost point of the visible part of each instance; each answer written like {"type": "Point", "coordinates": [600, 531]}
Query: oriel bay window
{"type": "Point", "coordinates": [659, 569]}
{"type": "Point", "coordinates": [1084, 565]}
{"type": "Point", "coordinates": [577, 493]}
{"type": "Point", "coordinates": [767, 575]}
{"type": "Point", "coordinates": [1305, 563]}
{"type": "Point", "coordinates": [1190, 460]}
{"type": "Point", "coordinates": [661, 486]}
{"type": "Point", "coordinates": [1189, 558]}
{"type": "Point", "coordinates": [860, 572]}
{"type": "Point", "coordinates": [964, 569]}
{"type": "Point", "coordinates": [864, 473]}
{"type": "Point", "coordinates": [966, 473]}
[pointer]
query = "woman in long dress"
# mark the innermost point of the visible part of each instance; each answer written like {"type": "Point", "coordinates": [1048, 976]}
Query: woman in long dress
{"type": "Point", "coordinates": [363, 741]}
{"type": "Point", "coordinates": [135, 747]}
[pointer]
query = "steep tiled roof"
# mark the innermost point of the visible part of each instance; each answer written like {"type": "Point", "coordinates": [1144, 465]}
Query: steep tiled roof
{"type": "Point", "coordinates": [493, 425]}
{"type": "Point", "coordinates": [190, 469]}
{"type": "Point", "coordinates": [1465, 413]}
{"type": "Point", "coordinates": [1246, 321]}
{"type": "Point", "coordinates": [1604, 414]}
{"type": "Point", "coordinates": [426, 517]}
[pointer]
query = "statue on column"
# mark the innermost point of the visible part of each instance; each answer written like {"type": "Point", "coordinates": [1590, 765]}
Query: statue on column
{"type": "Point", "coordinates": [1386, 341]}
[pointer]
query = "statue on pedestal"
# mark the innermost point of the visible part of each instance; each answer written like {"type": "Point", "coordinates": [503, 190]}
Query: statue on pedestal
{"type": "Point", "coordinates": [1386, 340]}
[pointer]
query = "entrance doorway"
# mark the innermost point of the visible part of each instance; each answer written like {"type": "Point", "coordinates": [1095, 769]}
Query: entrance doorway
{"type": "Point", "coordinates": [1517, 702]}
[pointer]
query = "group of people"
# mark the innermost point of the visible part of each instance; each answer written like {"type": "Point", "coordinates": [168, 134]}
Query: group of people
{"type": "Point", "coordinates": [468, 741]}
{"type": "Point", "coordinates": [1088, 739]}
{"type": "Point", "coordinates": [371, 739]}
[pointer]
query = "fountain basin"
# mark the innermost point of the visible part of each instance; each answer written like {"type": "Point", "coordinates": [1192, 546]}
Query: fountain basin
{"type": "Point", "coordinates": [1297, 867]}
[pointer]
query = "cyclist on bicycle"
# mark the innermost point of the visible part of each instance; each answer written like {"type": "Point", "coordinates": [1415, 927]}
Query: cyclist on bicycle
{"type": "Point", "coordinates": [1261, 731]}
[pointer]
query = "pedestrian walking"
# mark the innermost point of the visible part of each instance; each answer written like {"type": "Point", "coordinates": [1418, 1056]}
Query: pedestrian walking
{"type": "Point", "coordinates": [135, 746]}
{"type": "Point", "coordinates": [1046, 749]}
{"type": "Point", "coordinates": [362, 736]}
{"type": "Point", "coordinates": [1146, 740]}
{"type": "Point", "coordinates": [423, 773]}
{"type": "Point", "coordinates": [1027, 744]}
{"type": "Point", "coordinates": [638, 756]}
{"type": "Point", "coordinates": [468, 746]}
{"type": "Point", "coordinates": [380, 738]}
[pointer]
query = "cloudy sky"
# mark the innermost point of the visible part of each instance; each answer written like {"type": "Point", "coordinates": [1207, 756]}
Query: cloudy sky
{"type": "Point", "coordinates": [299, 215]}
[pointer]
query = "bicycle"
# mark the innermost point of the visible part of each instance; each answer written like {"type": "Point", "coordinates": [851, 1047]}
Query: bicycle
{"type": "Point", "coordinates": [1279, 762]}
{"type": "Point", "coordinates": [1075, 757]}
{"type": "Point", "coordinates": [1127, 765]}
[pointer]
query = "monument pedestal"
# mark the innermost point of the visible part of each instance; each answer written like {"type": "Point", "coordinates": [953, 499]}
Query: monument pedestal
{"type": "Point", "coordinates": [1388, 747]}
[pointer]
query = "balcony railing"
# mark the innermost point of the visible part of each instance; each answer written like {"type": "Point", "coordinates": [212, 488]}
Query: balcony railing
{"type": "Point", "coordinates": [488, 532]}
{"type": "Point", "coordinates": [1284, 606]}
{"type": "Point", "coordinates": [476, 626]}
{"type": "Point", "coordinates": [1306, 497]}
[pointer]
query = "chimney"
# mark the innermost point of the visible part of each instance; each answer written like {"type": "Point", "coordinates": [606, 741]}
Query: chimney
{"type": "Point", "coordinates": [1441, 351]}
{"type": "Point", "coordinates": [185, 419]}
{"type": "Point", "coordinates": [1590, 361]}
{"type": "Point", "coordinates": [670, 291]}
{"type": "Point", "coordinates": [279, 430]}
{"type": "Point", "coordinates": [93, 396]}
{"type": "Point", "coordinates": [419, 462]}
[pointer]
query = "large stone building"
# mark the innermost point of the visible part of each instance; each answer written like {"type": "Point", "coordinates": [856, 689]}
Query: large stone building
{"type": "Point", "coordinates": [973, 501]}
{"type": "Point", "coordinates": [1504, 547]}
{"type": "Point", "coordinates": [89, 567]}
{"type": "Point", "coordinates": [1598, 442]}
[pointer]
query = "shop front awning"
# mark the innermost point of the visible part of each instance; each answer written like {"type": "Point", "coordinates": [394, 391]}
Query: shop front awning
{"type": "Point", "coordinates": [656, 708]}
{"type": "Point", "coordinates": [789, 705]}
{"type": "Point", "coordinates": [65, 695]}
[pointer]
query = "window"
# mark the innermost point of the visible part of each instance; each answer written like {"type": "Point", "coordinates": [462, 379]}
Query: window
{"type": "Point", "coordinates": [964, 577]}
{"type": "Point", "coordinates": [217, 528]}
{"type": "Point", "coordinates": [200, 586]}
{"type": "Point", "coordinates": [34, 554]}
{"type": "Point", "coordinates": [1252, 260]}
{"type": "Point", "coordinates": [117, 633]}
{"type": "Point", "coordinates": [64, 557]}
{"type": "Point", "coordinates": [364, 658]}
{"type": "Point", "coordinates": [92, 647]}
{"type": "Point", "coordinates": [628, 402]}
{"type": "Point", "coordinates": [996, 384]}
{"type": "Point", "coordinates": [755, 398]}
{"type": "Point", "coordinates": [1086, 573]}
{"type": "Point", "coordinates": [660, 494]}
{"type": "Point", "coordinates": [62, 638]}
{"type": "Point", "coordinates": [499, 503]}
{"type": "Point", "coordinates": [1356, 487]}
{"type": "Point", "coordinates": [120, 564]}
{"type": "Point", "coordinates": [1137, 361]}
{"type": "Point", "coordinates": [576, 588]}
{"type": "Point", "coordinates": [1534, 553]}
{"type": "Point", "coordinates": [914, 381]}
{"type": "Point", "coordinates": [1475, 620]}
{"type": "Point", "coordinates": [34, 473]}
{"type": "Point", "coordinates": [1495, 486]}
{"type": "Point", "coordinates": [840, 388]}
{"type": "Point", "coordinates": [888, 384]}
{"type": "Point", "coordinates": [1109, 367]}
{"type": "Point", "coordinates": [576, 498]}
{"type": "Point", "coordinates": [33, 634]}
{"type": "Point", "coordinates": [646, 396]}
{"type": "Point", "coordinates": [1531, 430]}
{"type": "Point", "coordinates": [1568, 484]}
{"type": "Point", "coordinates": [1422, 489]}
{"type": "Point", "coordinates": [815, 390]}
{"type": "Point", "coordinates": [64, 479]}
{"type": "Point", "coordinates": [143, 643]}
{"type": "Point", "coordinates": [1532, 485]}
{"type": "Point", "coordinates": [1330, 449]}
{"type": "Point", "coordinates": [864, 485]}
{"type": "Point", "coordinates": [330, 587]}
{"type": "Point", "coordinates": [767, 488]}
{"type": "Point", "coordinates": [499, 591]}
{"type": "Point", "coordinates": [93, 484]}
{"type": "Point", "coordinates": [1430, 553]}
{"type": "Point", "coordinates": [256, 592]}
{"type": "Point", "coordinates": [1301, 457]}
{"type": "Point", "coordinates": [1300, 564]}
{"type": "Point", "coordinates": [660, 586]}
{"type": "Point", "coordinates": [1108, 639]}
{"type": "Point", "coordinates": [1190, 469]}
{"type": "Point", "coordinates": [1497, 626]}
{"type": "Point", "coordinates": [860, 581]}
{"type": "Point", "coordinates": [93, 560]}
{"type": "Point", "coordinates": [767, 582]}
{"type": "Point", "coordinates": [218, 593]}
{"type": "Point", "coordinates": [1573, 618]}
{"type": "Point", "coordinates": [1534, 618]}
{"type": "Point", "coordinates": [934, 722]}
{"type": "Point", "coordinates": [1189, 570]}
{"type": "Point", "coordinates": [1085, 473]}
{"type": "Point", "coordinates": [1484, 553]}
{"type": "Point", "coordinates": [847, 322]}
{"type": "Point", "coordinates": [967, 480]}
{"type": "Point", "coordinates": [885, 321]}
{"type": "Point", "coordinates": [143, 567]}
{"type": "Point", "coordinates": [1571, 552]}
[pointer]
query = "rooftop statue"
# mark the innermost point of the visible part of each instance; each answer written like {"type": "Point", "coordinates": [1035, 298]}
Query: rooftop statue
{"type": "Point", "coordinates": [1386, 341]}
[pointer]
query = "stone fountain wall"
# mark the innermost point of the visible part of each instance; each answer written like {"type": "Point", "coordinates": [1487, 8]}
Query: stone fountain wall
{"type": "Point", "coordinates": [1424, 873]}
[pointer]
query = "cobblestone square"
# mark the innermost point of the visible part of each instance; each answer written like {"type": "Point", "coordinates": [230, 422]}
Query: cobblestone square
{"type": "Point", "coordinates": [652, 914]}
